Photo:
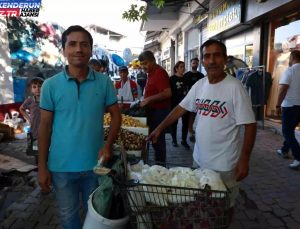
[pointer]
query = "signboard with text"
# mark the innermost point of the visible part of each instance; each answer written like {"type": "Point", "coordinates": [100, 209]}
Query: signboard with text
{"type": "Point", "coordinates": [226, 15]}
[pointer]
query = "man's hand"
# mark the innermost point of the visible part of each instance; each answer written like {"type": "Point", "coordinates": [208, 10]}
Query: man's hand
{"type": "Point", "coordinates": [105, 153]}
{"type": "Point", "coordinates": [242, 169]}
{"type": "Point", "coordinates": [44, 178]}
{"type": "Point", "coordinates": [144, 102]}
{"type": "Point", "coordinates": [278, 111]}
{"type": "Point", "coordinates": [154, 135]}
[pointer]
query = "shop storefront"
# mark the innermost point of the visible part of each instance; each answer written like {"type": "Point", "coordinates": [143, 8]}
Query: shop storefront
{"type": "Point", "coordinates": [166, 60]}
{"type": "Point", "coordinates": [241, 46]}
{"type": "Point", "coordinates": [261, 33]}
{"type": "Point", "coordinates": [284, 37]}
{"type": "Point", "coordinates": [180, 46]}
{"type": "Point", "coordinates": [200, 22]}
{"type": "Point", "coordinates": [225, 23]}
{"type": "Point", "coordinates": [193, 42]}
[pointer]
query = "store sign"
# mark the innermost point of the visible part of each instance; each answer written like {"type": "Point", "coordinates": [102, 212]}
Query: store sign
{"type": "Point", "coordinates": [226, 15]}
{"type": "Point", "coordinates": [197, 19]}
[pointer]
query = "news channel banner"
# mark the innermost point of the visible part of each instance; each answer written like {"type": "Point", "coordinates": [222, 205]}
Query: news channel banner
{"type": "Point", "coordinates": [20, 8]}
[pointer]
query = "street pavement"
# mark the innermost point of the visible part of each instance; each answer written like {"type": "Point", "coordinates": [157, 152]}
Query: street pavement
{"type": "Point", "coordinates": [268, 197]}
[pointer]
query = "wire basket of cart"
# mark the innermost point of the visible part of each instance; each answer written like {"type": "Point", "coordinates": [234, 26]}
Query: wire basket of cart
{"type": "Point", "coordinates": [164, 206]}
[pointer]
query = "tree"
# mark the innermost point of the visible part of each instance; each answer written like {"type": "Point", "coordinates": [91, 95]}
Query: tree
{"type": "Point", "coordinates": [135, 13]}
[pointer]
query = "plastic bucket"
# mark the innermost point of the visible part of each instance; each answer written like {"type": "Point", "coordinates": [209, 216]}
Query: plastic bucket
{"type": "Point", "coordinates": [95, 221]}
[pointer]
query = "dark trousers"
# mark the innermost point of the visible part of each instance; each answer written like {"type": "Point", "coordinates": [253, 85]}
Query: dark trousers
{"type": "Point", "coordinates": [285, 147]}
{"type": "Point", "coordinates": [290, 119]}
{"type": "Point", "coordinates": [154, 118]}
{"type": "Point", "coordinates": [184, 129]}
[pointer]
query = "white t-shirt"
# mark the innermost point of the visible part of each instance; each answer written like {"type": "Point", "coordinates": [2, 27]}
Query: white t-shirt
{"type": "Point", "coordinates": [221, 109]}
{"type": "Point", "coordinates": [291, 77]}
{"type": "Point", "coordinates": [125, 92]}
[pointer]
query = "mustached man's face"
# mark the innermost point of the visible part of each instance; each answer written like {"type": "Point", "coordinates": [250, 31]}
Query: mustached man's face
{"type": "Point", "coordinates": [147, 65]}
{"type": "Point", "coordinates": [214, 60]}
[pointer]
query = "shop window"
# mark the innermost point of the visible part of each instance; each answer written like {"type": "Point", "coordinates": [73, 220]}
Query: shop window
{"type": "Point", "coordinates": [284, 37]}
{"type": "Point", "coordinates": [249, 55]}
{"type": "Point", "coordinates": [166, 64]}
{"type": "Point", "coordinates": [192, 54]}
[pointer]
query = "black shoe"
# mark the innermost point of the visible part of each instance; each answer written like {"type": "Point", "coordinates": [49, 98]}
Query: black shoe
{"type": "Point", "coordinates": [192, 138]}
{"type": "Point", "coordinates": [175, 144]}
{"type": "Point", "coordinates": [184, 143]}
{"type": "Point", "coordinates": [282, 154]}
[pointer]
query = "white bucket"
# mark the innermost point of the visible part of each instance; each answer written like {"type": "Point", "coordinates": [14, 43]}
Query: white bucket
{"type": "Point", "coordinates": [95, 221]}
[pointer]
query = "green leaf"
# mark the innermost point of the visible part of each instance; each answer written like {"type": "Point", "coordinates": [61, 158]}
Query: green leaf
{"type": "Point", "coordinates": [159, 3]}
{"type": "Point", "coordinates": [137, 14]}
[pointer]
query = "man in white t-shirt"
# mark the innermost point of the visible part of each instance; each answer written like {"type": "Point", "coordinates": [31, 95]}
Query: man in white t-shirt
{"type": "Point", "coordinates": [223, 107]}
{"type": "Point", "coordinates": [289, 102]}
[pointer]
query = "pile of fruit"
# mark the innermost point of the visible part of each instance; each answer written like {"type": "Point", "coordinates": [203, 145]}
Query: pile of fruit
{"type": "Point", "coordinates": [130, 140]}
{"type": "Point", "coordinates": [126, 121]}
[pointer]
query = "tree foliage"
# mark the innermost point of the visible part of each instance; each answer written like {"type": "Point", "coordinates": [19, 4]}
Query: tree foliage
{"type": "Point", "coordinates": [136, 13]}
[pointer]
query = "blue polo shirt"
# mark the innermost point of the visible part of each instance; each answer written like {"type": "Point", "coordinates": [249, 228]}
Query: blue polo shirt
{"type": "Point", "coordinates": [78, 109]}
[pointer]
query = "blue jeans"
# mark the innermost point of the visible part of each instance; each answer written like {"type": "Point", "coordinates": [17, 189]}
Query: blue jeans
{"type": "Point", "coordinates": [68, 186]}
{"type": "Point", "coordinates": [290, 119]}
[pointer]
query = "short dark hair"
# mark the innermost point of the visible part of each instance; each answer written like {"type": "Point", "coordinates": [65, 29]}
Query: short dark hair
{"type": "Point", "coordinates": [146, 55]}
{"type": "Point", "coordinates": [75, 28]}
{"type": "Point", "coordinates": [209, 43]}
{"type": "Point", "coordinates": [102, 63]}
{"type": "Point", "coordinates": [195, 58]}
{"type": "Point", "coordinates": [177, 65]}
{"type": "Point", "coordinates": [295, 54]}
{"type": "Point", "coordinates": [94, 62]}
{"type": "Point", "coordinates": [36, 80]}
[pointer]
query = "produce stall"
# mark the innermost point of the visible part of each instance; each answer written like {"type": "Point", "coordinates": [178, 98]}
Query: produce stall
{"type": "Point", "coordinates": [132, 136]}
{"type": "Point", "coordinates": [155, 196]}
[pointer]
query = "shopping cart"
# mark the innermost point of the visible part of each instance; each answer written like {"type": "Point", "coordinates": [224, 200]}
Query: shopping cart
{"type": "Point", "coordinates": [158, 206]}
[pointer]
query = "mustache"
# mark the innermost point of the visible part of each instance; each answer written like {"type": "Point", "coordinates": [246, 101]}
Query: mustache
{"type": "Point", "coordinates": [213, 66]}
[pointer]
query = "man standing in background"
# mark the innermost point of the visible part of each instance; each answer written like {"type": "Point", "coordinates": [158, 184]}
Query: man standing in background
{"type": "Point", "coordinates": [192, 77]}
{"type": "Point", "coordinates": [157, 100]}
{"type": "Point", "coordinates": [289, 103]}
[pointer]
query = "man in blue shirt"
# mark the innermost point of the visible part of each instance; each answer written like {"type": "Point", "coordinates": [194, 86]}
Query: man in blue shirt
{"type": "Point", "coordinates": [71, 129]}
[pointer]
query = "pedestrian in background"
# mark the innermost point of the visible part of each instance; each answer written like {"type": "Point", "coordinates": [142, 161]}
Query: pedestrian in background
{"type": "Point", "coordinates": [192, 77]}
{"type": "Point", "coordinates": [30, 110]}
{"type": "Point", "coordinates": [103, 66]}
{"type": "Point", "coordinates": [179, 88]}
{"type": "Point", "coordinates": [141, 79]}
{"type": "Point", "coordinates": [95, 64]}
{"type": "Point", "coordinates": [157, 100]}
{"type": "Point", "coordinates": [126, 88]}
{"type": "Point", "coordinates": [289, 103]}
{"type": "Point", "coordinates": [223, 107]}
{"type": "Point", "coordinates": [71, 129]}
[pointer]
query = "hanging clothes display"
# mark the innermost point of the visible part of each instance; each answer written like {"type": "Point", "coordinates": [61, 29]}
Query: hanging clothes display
{"type": "Point", "coordinates": [259, 96]}
{"type": "Point", "coordinates": [258, 83]}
